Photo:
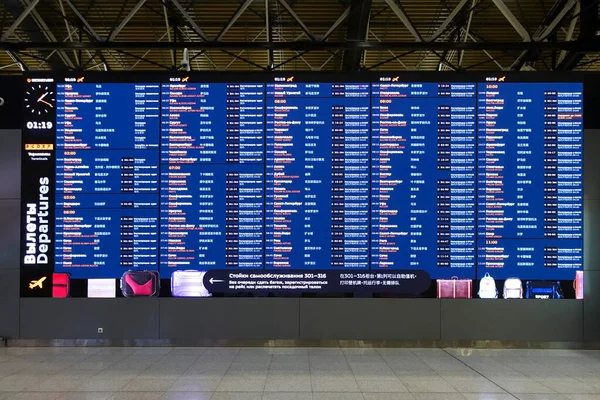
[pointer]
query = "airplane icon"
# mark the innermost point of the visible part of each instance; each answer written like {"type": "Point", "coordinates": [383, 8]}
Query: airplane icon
{"type": "Point", "coordinates": [80, 79]}
{"type": "Point", "coordinates": [501, 79]}
{"type": "Point", "coordinates": [187, 78]}
{"type": "Point", "coordinates": [39, 283]}
{"type": "Point", "coordinates": [395, 79]}
{"type": "Point", "coordinates": [290, 79]}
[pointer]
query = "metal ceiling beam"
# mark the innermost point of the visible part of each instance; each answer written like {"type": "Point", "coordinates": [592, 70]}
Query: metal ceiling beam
{"type": "Point", "coordinates": [18, 61]}
{"type": "Point", "coordinates": [234, 18]}
{"type": "Point", "coordinates": [91, 31]}
{"type": "Point", "coordinates": [70, 33]}
{"type": "Point", "coordinates": [474, 39]}
{"type": "Point", "coordinates": [167, 33]}
{"type": "Point", "coordinates": [17, 64]}
{"type": "Point", "coordinates": [404, 18]}
{"type": "Point", "coordinates": [269, 36]}
{"type": "Point", "coordinates": [358, 24]}
{"type": "Point", "coordinates": [125, 21]}
{"type": "Point", "coordinates": [337, 23]}
{"type": "Point", "coordinates": [300, 55]}
{"type": "Point", "coordinates": [84, 21]}
{"type": "Point", "coordinates": [394, 55]}
{"type": "Point", "coordinates": [36, 30]}
{"type": "Point", "coordinates": [190, 20]}
{"type": "Point", "coordinates": [296, 18]}
{"type": "Point", "coordinates": [588, 26]}
{"type": "Point", "coordinates": [571, 31]}
{"type": "Point", "coordinates": [19, 20]}
{"type": "Point", "coordinates": [555, 19]}
{"type": "Point", "coordinates": [580, 46]}
{"type": "Point", "coordinates": [447, 21]}
{"type": "Point", "coordinates": [510, 17]}
{"type": "Point", "coordinates": [466, 32]}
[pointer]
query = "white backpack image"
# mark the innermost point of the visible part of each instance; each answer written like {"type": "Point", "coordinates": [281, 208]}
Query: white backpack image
{"type": "Point", "coordinates": [487, 287]}
{"type": "Point", "coordinates": [513, 289]}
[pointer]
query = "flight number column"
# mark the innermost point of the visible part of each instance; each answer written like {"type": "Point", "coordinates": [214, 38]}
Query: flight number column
{"type": "Point", "coordinates": [456, 179]}
{"type": "Point", "coordinates": [350, 171]}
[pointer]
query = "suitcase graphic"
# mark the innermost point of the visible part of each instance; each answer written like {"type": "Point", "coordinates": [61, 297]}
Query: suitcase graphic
{"type": "Point", "coordinates": [60, 285]}
{"type": "Point", "coordinates": [454, 288]}
{"type": "Point", "coordinates": [140, 284]}
{"type": "Point", "coordinates": [578, 285]}
{"type": "Point", "coordinates": [188, 283]}
{"type": "Point", "coordinates": [543, 290]}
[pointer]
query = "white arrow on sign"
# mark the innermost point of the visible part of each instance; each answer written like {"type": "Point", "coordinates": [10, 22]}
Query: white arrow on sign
{"type": "Point", "coordinates": [212, 281]}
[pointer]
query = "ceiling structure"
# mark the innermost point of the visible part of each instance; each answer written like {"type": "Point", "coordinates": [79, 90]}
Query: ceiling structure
{"type": "Point", "coordinates": [317, 35]}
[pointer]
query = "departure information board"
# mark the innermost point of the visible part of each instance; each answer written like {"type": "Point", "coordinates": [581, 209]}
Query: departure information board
{"type": "Point", "coordinates": [212, 176]}
{"type": "Point", "coordinates": [306, 183]}
{"type": "Point", "coordinates": [106, 178]}
{"type": "Point", "coordinates": [423, 177]}
{"type": "Point", "coordinates": [317, 175]}
{"type": "Point", "coordinates": [530, 186]}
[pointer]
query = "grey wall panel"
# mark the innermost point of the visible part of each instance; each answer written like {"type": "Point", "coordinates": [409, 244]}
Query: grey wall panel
{"type": "Point", "coordinates": [10, 164]}
{"type": "Point", "coordinates": [370, 319]}
{"type": "Point", "coordinates": [229, 318]}
{"type": "Point", "coordinates": [591, 163]}
{"type": "Point", "coordinates": [81, 318]}
{"type": "Point", "coordinates": [9, 282]}
{"type": "Point", "coordinates": [9, 233]}
{"type": "Point", "coordinates": [530, 320]}
{"type": "Point", "coordinates": [591, 306]}
{"type": "Point", "coordinates": [9, 303]}
{"type": "Point", "coordinates": [591, 235]}
{"type": "Point", "coordinates": [9, 314]}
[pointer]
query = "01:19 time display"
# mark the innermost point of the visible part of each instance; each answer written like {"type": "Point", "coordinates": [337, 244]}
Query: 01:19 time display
{"type": "Point", "coordinates": [39, 125]}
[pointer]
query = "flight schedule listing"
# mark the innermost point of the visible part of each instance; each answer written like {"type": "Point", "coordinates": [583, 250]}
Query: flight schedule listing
{"type": "Point", "coordinates": [107, 116]}
{"type": "Point", "coordinates": [530, 173]}
{"type": "Point", "coordinates": [417, 179]}
{"type": "Point", "coordinates": [317, 181]}
{"type": "Point", "coordinates": [212, 216]}
{"type": "Point", "coordinates": [423, 178]}
{"type": "Point", "coordinates": [212, 123]}
{"type": "Point", "coordinates": [107, 178]}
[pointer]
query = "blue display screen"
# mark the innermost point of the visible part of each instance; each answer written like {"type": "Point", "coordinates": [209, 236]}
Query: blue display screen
{"type": "Point", "coordinates": [530, 186]}
{"type": "Point", "coordinates": [457, 179]}
{"type": "Point", "coordinates": [423, 170]}
{"type": "Point", "coordinates": [317, 208]}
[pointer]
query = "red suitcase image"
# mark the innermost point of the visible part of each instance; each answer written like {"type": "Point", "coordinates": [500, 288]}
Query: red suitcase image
{"type": "Point", "coordinates": [454, 288]}
{"type": "Point", "coordinates": [60, 285]}
{"type": "Point", "coordinates": [140, 284]}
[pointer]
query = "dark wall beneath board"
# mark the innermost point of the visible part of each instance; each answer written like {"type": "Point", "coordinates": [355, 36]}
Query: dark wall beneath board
{"type": "Point", "coordinates": [285, 318]}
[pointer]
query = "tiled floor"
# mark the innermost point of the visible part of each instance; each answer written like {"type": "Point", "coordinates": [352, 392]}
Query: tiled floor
{"type": "Point", "coordinates": [297, 374]}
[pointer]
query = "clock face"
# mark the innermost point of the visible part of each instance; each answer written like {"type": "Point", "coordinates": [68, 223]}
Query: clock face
{"type": "Point", "coordinates": [39, 99]}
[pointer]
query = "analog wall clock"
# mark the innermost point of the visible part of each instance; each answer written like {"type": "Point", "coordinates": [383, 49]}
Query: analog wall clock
{"type": "Point", "coordinates": [39, 99]}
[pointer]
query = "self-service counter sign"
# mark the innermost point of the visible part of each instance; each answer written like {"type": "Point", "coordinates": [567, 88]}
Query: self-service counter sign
{"type": "Point", "coordinates": [324, 281]}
